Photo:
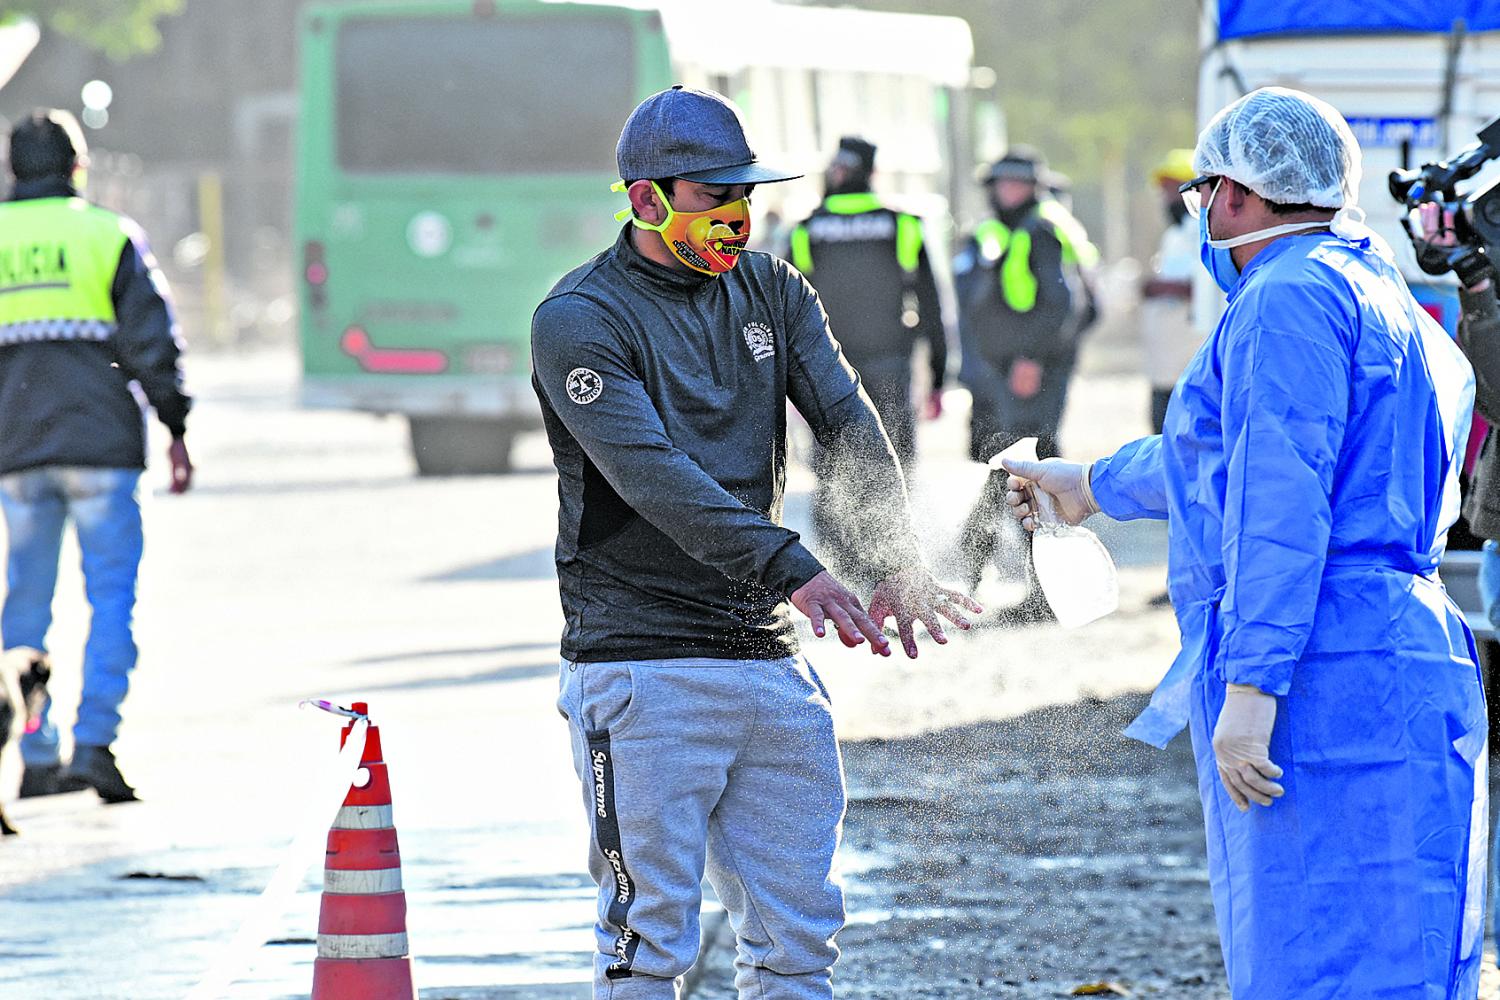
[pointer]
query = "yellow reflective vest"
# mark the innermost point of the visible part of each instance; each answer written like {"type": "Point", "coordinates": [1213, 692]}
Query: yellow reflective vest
{"type": "Point", "coordinates": [908, 231]}
{"type": "Point", "coordinates": [58, 258]}
{"type": "Point", "coordinates": [1012, 250]}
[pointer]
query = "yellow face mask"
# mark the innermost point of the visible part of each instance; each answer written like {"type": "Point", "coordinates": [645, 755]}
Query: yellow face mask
{"type": "Point", "coordinates": [709, 242]}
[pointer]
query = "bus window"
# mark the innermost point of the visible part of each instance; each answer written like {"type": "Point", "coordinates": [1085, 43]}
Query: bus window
{"type": "Point", "coordinates": [485, 96]}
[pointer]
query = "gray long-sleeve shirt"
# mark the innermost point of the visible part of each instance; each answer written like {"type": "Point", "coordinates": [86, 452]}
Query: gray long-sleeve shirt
{"type": "Point", "coordinates": [664, 399]}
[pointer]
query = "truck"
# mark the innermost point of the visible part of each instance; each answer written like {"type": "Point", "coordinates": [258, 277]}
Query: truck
{"type": "Point", "coordinates": [1415, 82]}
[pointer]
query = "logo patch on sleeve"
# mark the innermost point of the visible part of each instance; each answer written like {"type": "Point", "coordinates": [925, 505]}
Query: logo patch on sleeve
{"type": "Point", "coordinates": [760, 340]}
{"type": "Point", "coordinates": [584, 386]}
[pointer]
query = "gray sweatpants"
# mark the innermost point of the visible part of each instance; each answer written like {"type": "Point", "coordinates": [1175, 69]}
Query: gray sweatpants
{"type": "Point", "coordinates": [723, 766]}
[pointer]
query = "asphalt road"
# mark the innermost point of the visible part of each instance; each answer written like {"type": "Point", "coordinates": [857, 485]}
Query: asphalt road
{"type": "Point", "coordinates": [1002, 840]}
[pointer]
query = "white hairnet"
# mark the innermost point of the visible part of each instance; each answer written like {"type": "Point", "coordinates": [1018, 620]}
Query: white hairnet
{"type": "Point", "coordinates": [1286, 146]}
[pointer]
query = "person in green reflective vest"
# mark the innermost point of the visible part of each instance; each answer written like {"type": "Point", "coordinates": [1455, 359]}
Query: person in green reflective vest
{"type": "Point", "coordinates": [1021, 279]}
{"type": "Point", "coordinates": [868, 262]}
{"type": "Point", "coordinates": [87, 337]}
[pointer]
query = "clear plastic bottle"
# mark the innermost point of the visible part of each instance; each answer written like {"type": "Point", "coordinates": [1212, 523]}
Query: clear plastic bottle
{"type": "Point", "coordinates": [1075, 570]}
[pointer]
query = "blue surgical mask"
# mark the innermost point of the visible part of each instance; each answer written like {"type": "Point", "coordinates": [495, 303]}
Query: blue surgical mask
{"type": "Point", "coordinates": [1216, 255]}
{"type": "Point", "coordinates": [1218, 260]}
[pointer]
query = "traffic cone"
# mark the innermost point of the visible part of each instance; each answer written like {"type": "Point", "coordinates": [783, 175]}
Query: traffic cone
{"type": "Point", "coordinates": [362, 948]}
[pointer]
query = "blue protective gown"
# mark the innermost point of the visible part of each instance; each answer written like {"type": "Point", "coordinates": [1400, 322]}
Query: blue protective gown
{"type": "Point", "coordinates": [1308, 473]}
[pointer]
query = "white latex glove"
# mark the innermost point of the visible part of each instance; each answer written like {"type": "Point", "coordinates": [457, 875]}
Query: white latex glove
{"type": "Point", "coordinates": [1242, 746]}
{"type": "Point", "coordinates": [1067, 483]}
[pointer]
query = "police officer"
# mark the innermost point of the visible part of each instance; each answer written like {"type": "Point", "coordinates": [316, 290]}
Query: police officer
{"type": "Point", "coordinates": [1024, 298]}
{"type": "Point", "coordinates": [83, 321]}
{"type": "Point", "coordinates": [869, 264]}
{"type": "Point", "coordinates": [702, 737]}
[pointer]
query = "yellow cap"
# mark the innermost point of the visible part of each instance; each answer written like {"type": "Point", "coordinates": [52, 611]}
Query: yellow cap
{"type": "Point", "coordinates": [1177, 166]}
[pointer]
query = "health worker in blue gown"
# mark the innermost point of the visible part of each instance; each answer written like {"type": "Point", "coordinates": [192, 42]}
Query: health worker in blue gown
{"type": "Point", "coordinates": [1308, 470]}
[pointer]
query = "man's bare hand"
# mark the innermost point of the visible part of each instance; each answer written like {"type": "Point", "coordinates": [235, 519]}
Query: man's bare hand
{"type": "Point", "coordinates": [1440, 232]}
{"type": "Point", "coordinates": [182, 466]}
{"type": "Point", "coordinates": [1025, 378]}
{"type": "Point", "coordinates": [912, 596]}
{"type": "Point", "coordinates": [823, 598]}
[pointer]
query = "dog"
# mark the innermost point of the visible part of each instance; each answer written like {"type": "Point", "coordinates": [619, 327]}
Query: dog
{"type": "Point", "coordinates": [24, 673]}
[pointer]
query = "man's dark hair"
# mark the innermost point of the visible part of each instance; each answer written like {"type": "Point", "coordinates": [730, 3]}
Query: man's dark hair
{"type": "Point", "coordinates": [1282, 208]}
{"type": "Point", "coordinates": [41, 147]}
{"type": "Point", "coordinates": [1278, 208]}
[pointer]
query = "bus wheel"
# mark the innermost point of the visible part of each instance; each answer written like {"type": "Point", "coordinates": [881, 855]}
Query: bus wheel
{"type": "Point", "coordinates": [460, 446]}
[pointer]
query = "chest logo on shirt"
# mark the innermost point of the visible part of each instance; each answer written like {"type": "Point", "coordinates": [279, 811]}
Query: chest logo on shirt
{"type": "Point", "coordinates": [761, 341]}
{"type": "Point", "coordinates": [584, 386]}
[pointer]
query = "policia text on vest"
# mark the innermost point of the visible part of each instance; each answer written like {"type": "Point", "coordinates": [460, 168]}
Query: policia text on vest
{"type": "Point", "coordinates": [58, 262]}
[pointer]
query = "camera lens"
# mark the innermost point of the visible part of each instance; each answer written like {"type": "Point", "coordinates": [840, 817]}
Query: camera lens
{"type": "Point", "coordinates": [1401, 181]}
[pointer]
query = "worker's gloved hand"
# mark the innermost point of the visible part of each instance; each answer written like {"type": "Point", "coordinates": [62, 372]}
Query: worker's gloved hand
{"type": "Point", "coordinates": [1066, 482]}
{"type": "Point", "coordinates": [1242, 746]}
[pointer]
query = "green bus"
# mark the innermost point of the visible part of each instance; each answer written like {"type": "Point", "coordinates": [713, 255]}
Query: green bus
{"type": "Point", "coordinates": [455, 156]}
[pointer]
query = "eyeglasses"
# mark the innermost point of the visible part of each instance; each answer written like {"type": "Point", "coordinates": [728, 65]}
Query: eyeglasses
{"type": "Point", "coordinates": [1192, 192]}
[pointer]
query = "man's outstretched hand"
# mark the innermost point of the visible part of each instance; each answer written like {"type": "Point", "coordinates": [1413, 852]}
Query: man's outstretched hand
{"type": "Point", "coordinates": [912, 596]}
{"type": "Point", "coordinates": [823, 599]}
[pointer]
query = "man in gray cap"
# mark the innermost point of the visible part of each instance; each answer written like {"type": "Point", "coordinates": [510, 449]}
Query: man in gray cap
{"type": "Point", "coordinates": [703, 739]}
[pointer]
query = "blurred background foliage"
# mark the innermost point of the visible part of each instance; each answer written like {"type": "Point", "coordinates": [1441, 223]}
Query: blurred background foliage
{"type": "Point", "coordinates": [118, 28]}
{"type": "Point", "coordinates": [1102, 87]}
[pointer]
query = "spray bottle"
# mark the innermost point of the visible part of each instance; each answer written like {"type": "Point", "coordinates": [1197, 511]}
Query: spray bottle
{"type": "Point", "coordinates": [1074, 568]}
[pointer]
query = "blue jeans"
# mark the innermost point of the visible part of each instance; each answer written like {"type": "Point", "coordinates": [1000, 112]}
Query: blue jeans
{"type": "Point", "coordinates": [107, 516]}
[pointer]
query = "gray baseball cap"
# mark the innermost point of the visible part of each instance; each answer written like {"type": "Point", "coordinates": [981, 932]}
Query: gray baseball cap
{"type": "Point", "coordinates": [697, 135]}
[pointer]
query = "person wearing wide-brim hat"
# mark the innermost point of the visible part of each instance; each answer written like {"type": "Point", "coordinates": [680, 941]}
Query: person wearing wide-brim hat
{"type": "Point", "coordinates": [702, 737]}
{"type": "Point", "coordinates": [1024, 299]}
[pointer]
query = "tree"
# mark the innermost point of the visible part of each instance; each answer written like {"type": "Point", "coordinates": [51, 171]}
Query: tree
{"type": "Point", "coordinates": [118, 28]}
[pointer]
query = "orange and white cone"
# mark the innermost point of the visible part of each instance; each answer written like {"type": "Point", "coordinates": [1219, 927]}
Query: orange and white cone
{"type": "Point", "coordinates": [362, 947]}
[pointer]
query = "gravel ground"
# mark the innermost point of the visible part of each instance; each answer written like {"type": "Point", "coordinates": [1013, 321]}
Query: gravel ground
{"type": "Point", "coordinates": [1040, 856]}
{"type": "Point", "coordinates": [1026, 858]}
{"type": "Point", "coordinates": [1022, 858]}
{"type": "Point", "coordinates": [1003, 838]}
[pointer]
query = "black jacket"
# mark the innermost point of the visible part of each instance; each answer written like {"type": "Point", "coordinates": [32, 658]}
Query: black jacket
{"type": "Point", "coordinates": [869, 297]}
{"type": "Point", "coordinates": [664, 399]}
{"type": "Point", "coordinates": [1479, 336]}
{"type": "Point", "coordinates": [992, 335]}
{"type": "Point", "coordinates": [71, 402]}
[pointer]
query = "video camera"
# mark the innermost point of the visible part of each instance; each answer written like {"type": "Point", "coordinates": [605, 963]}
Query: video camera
{"type": "Point", "coordinates": [1476, 215]}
